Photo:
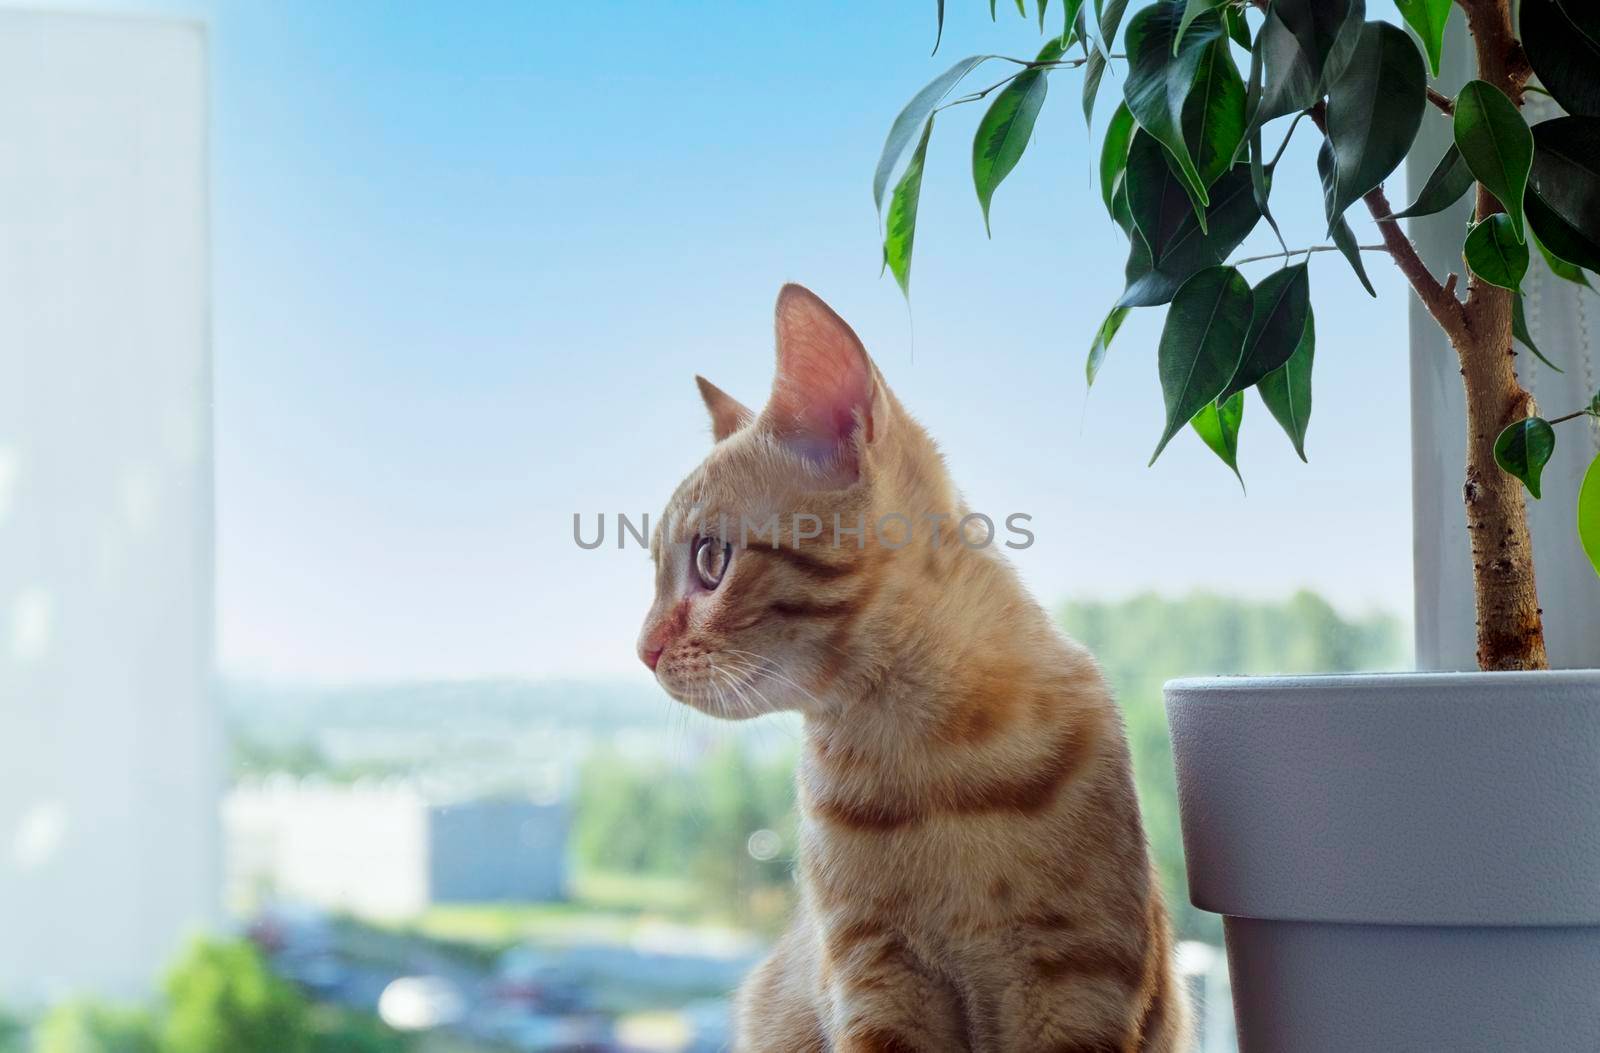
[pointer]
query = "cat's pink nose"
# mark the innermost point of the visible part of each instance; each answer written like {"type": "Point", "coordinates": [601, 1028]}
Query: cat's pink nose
{"type": "Point", "coordinates": [651, 656]}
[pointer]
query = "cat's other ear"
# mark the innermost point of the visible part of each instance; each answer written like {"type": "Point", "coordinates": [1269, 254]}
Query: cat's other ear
{"type": "Point", "coordinates": [824, 389]}
{"type": "Point", "coordinates": [728, 414]}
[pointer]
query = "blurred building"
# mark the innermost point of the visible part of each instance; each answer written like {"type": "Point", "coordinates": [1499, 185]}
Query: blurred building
{"type": "Point", "coordinates": [110, 743]}
{"type": "Point", "coordinates": [386, 850]}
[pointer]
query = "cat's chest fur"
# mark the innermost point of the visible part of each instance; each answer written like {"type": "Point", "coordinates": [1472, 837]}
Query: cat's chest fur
{"type": "Point", "coordinates": [946, 887]}
{"type": "Point", "coordinates": [956, 883]}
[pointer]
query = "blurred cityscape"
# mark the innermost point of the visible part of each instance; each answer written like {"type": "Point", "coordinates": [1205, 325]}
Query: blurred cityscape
{"type": "Point", "coordinates": [573, 866]}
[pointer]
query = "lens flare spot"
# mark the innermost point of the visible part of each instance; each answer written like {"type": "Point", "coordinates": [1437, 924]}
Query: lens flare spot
{"type": "Point", "coordinates": [39, 835]}
{"type": "Point", "coordinates": [32, 624]}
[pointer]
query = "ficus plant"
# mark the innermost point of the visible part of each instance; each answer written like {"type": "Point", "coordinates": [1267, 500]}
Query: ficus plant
{"type": "Point", "coordinates": [1186, 172]}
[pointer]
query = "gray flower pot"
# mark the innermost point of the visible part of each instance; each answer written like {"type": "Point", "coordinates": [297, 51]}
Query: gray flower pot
{"type": "Point", "coordinates": [1402, 861]}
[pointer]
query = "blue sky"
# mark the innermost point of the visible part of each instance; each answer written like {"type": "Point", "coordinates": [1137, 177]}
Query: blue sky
{"type": "Point", "coordinates": [468, 257]}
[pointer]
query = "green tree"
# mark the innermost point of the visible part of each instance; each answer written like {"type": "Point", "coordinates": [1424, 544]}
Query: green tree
{"type": "Point", "coordinates": [91, 1027]}
{"type": "Point", "coordinates": [633, 817]}
{"type": "Point", "coordinates": [651, 818]}
{"type": "Point", "coordinates": [742, 804]}
{"type": "Point", "coordinates": [336, 1030]}
{"type": "Point", "coordinates": [222, 998]}
{"type": "Point", "coordinates": [13, 1033]}
{"type": "Point", "coordinates": [1145, 641]}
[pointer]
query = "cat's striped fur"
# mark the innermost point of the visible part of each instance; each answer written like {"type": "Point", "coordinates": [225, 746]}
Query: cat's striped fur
{"type": "Point", "coordinates": [973, 870]}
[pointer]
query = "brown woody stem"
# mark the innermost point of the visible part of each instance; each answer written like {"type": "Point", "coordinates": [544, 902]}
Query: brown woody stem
{"type": "Point", "coordinates": [1510, 627]}
{"type": "Point", "coordinates": [1510, 624]}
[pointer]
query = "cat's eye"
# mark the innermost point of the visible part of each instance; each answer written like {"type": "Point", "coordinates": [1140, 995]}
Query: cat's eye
{"type": "Point", "coordinates": [711, 559]}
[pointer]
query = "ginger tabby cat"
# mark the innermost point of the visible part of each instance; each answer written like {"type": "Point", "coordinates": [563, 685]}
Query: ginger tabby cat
{"type": "Point", "coordinates": [973, 872]}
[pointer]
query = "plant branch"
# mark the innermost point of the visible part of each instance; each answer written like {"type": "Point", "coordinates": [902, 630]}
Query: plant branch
{"type": "Point", "coordinates": [1444, 307]}
{"type": "Point", "coordinates": [1442, 304]}
{"type": "Point", "coordinates": [1035, 63]}
{"type": "Point", "coordinates": [1445, 103]}
{"type": "Point", "coordinates": [1574, 415]}
{"type": "Point", "coordinates": [1296, 252]}
{"type": "Point", "coordinates": [1027, 66]}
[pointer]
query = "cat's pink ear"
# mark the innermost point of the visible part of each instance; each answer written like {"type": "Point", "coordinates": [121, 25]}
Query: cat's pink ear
{"type": "Point", "coordinates": [728, 414]}
{"type": "Point", "coordinates": [824, 389]}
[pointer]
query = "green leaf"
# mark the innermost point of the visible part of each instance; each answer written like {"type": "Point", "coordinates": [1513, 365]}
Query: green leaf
{"type": "Point", "coordinates": [1070, 25]}
{"type": "Point", "coordinates": [1558, 237]}
{"type": "Point", "coordinates": [1122, 212]}
{"type": "Point", "coordinates": [1343, 236]}
{"type": "Point", "coordinates": [1327, 31]}
{"type": "Point", "coordinates": [1374, 111]}
{"type": "Point", "coordinates": [1450, 179]}
{"type": "Point", "coordinates": [1292, 81]}
{"type": "Point", "coordinates": [1110, 19]}
{"type": "Point", "coordinates": [1114, 152]}
{"type": "Point", "coordinates": [1589, 514]}
{"type": "Point", "coordinates": [1563, 54]}
{"type": "Point", "coordinates": [1004, 132]}
{"type": "Point", "coordinates": [1021, 9]}
{"type": "Point", "coordinates": [1213, 114]}
{"type": "Point", "coordinates": [1279, 306]}
{"type": "Point", "coordinates": [1218, 425]}
{"type": "Point", "coordinates": [906, 126]}
{"type": "Point", "coordinates": [1497, 145]}
{"type": "Point", "coordinates": [1192, 9]}
{"type": "Point", "coordinates": [902, 225]}
{"type": "Point", "coordinates": [1160, 209]}
{"type": "Point", "coordinates": [938, 36]}
{"type": "Point", "coordinates": [1428, 18]}
{"type": "Point", "coordinates": [1261, 183]}
{"type": "Point", "coordinates": [1260, 177]}
{"type": "Point", "coordinates": [1102, 342]}
{"type": "Point", "coordinates": [991, 10]}
{"type": "Point", "coordinates": [1561, 268]}
{"type": "Point", "coordinates": [1519, 329]}
{"type": "Point", "coordinates": [1585, 16]}
{"type": "Point", "coordinates": [1094, 69]}
{"type": "Point", "coordinates": [1200, 343]}
{"type": "Point", "coordinates": [1287, 389]}
{"type": "Point", "coordinates": [1345, 239]}
{"type": "Point", "coordinates": [1042, 5]}
{"type": "Point", "coordinates": [1566, 175]}
{"type": "Point", "coordinates": [1175, 247]}
{"type": "Point", "coordinates": [1238, 29]}
{"type": "Point", "coordinates": [1157, 199]}
{"type": "Point", "coordinates": [1524, 448]}
{"type": "Point", "coordinates": [1158, 82]}
{"type": "Point", "coordinates": [1494, 253]}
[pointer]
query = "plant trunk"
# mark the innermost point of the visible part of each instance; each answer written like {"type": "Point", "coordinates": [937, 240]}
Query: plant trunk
{"type": "Point", "coordinates": [1510, 626]}
{"type": "Point", "coordinates": [1510, 629]}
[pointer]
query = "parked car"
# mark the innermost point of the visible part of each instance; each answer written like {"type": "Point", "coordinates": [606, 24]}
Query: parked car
{"type": "Point", "coordinates": [559, 1034]}
{"type": "Point", "coordinates": [530, 980]}
{"type": "Point", "coordinates": [320, 973]}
